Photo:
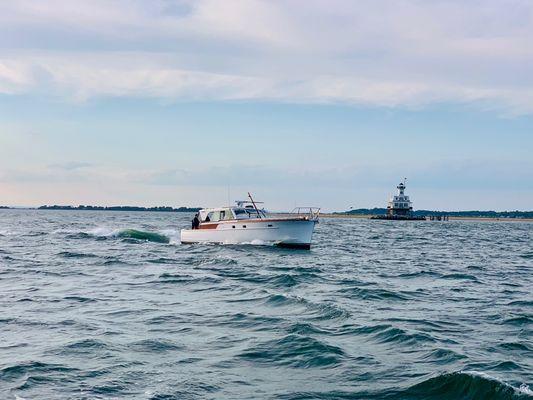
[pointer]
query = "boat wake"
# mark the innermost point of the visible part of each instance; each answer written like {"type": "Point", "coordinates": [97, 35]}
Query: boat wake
{"type": "Point", "coordinates": [135, 235]}
{"type": "Point", "coordinates": [166, 236]}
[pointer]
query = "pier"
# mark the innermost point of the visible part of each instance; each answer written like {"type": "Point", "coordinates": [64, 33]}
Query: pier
{"type": "Point", "coordinates": [439, 218]}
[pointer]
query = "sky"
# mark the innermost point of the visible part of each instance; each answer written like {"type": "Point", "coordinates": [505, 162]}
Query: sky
{"type": "Point", "coordinates": [309, 103]}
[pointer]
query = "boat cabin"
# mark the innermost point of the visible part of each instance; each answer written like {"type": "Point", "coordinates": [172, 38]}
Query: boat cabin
{"type": "Point", "coordinates": [230, 213]}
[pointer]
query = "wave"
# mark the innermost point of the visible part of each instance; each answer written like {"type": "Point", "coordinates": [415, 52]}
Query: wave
{"type": "Point", "coordinates": [154, 345]}
{"type": "Point", "coordinates": [313, 311]}
{"type": "Point", "coordinates": [251, 321]}
{"type": "Point", "coordinates": [301, 328]}
{"type": "Point", "coordinates": [467, 386]}
{"type": "Point", "coordinates": [79, 299]}
{"type": "Point", "coordinates": [187, 279]}
{"type": "Point", "coordinates": [385, 333]}
{"type": "Point", "coordinates": [278, 300]}
{"type": "Point", "coordinates": [143, 235]}
{"type": "Point", "coordinates": [375, 294]}
{"type": "Point", "coordinates": [70, 254]}
{"type": "Point", "coordinates": [417, 274]}
{"type": "Point", "coordinates": [444, 356]}
{"type": "Point", "coordinates": [163, 260]}
{"type": "Point", "coordinates": [281, 280]}
{"type": "Point", "coordinates": [79, 235]}
{"type": "Point", "coordinates": [31, 367]}
{"type": "Point", "coordinates": [526, 303]}
{"type": "Point", "coordinates": [516, 346]}
{"type": "Point", "coordinates": [135, 235]}
{"type": "Point", "coordinates": [520, 320]}
{"type": "Point", "coordinates": [397, 335]}
{"type": "Point", "coordinates": [85, 345]}
{"type": "Point", "coordinates": [7, 232]}
{"type": "Point", "coordinates": [460, 276]}
{"type": "Point", "coordinates": [455, 385]}
{"type": "Point", "coordinates": [295, 351]}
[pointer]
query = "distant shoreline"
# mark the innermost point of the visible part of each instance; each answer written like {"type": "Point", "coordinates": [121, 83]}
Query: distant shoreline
{"type": "Point", "coordinates": [110, 208]}
{"type": "Point", "coordinates": [515, 214]}
{"type": "Point", "coordinates": [451, 218]}
{"type": "Point", "coordinates": [452, 215]}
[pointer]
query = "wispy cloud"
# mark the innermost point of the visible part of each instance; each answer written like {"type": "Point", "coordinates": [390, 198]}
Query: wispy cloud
{"type": "Point", "coordinates": [395, 54]}
{"type": "Point", "coordinates": [452, 174]}
{"type": "Point", "coordinates": [70, 166]}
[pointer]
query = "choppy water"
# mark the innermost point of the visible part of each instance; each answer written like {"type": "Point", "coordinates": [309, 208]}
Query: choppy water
{"type": "Point", "coordinates": [105, 305]}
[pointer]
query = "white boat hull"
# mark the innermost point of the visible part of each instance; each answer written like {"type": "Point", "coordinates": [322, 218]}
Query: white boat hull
{"type": "Point", "coordinates": [296, 232]}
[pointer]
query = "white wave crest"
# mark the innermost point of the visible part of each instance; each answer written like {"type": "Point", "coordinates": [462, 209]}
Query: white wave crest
{"type": "Point", "coordinates": [523, 389]}
{"type": "Point", "coordinates": [104, 231]}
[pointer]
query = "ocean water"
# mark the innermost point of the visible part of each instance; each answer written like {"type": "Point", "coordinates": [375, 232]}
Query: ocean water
{"type": "Point", "coordinates": [109, 305]}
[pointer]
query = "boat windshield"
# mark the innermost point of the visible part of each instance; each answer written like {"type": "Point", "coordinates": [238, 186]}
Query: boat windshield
{"type": "Point", "coordinates": [242, 213]}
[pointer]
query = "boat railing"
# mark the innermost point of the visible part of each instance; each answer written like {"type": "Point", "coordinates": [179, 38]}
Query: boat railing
{"type": "Point", "coordinates": [311, 213]}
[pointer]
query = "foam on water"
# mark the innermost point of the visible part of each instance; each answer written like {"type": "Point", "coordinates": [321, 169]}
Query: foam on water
{"type": "Point", "coordinates": [174, 235]}
{"type": "Point", "coordinates": [103, 231]}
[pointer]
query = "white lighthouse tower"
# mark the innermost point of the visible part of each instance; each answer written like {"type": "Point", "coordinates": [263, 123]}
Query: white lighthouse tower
{"type": "Point", "coordinates": [400, 205]}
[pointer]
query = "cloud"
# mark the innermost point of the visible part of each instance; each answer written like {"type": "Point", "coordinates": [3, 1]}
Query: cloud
{"type": "Point", "coordinates": [71, 165]}
{"type": "Point", "coordinates": [68, 172]}
{"type": "Point", "coordinates": [405, 53]}
{"type": "Point", "coordinates": [453, 174]}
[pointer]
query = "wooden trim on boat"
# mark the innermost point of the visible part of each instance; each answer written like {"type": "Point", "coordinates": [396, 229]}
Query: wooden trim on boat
{"type": "Point", "coordinates": [214, 225]}
{"type": "Point", "coordinates": [208, 225]}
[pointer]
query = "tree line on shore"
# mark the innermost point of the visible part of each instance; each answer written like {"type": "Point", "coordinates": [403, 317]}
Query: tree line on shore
{"type": "Point", "coordinates": [428, 213]}
{"type": "Point", "coordinates": [359, 211]}
{"type": "Point", "coordinates": [120, 208]}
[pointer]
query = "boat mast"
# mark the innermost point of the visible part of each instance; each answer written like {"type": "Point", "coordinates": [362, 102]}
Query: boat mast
{"type": "Point", "coordinates": [253, 202]}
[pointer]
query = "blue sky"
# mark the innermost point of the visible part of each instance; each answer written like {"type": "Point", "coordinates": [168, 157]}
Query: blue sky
{"type": "Point", "coordinates": [314, 103]}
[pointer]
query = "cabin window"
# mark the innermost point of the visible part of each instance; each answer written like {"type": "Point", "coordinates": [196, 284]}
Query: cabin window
{"type": "Point", "coordinates": [227, 214]}
{"type": "Point", "coordinates": [214, 216]}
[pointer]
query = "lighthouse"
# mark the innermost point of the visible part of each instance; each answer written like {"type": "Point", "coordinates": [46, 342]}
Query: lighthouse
{"type": "Point", "coordinates": [399, 206]}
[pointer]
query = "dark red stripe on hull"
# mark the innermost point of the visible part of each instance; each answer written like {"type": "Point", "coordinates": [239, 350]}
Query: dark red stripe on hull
{"type": "Point", "coordinates": [300, 246]}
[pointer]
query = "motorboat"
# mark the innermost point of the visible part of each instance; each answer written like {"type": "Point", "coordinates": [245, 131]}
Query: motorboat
{"type": "Point", "coordinates": [245, 223]}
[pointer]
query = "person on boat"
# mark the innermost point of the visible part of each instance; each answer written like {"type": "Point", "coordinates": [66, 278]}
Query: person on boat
{"type": "Point", "coordinates": [195, 222]}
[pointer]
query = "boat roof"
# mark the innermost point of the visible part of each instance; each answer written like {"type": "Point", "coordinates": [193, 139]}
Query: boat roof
{"type": "Point", "coordinates": [209, 209]}
{"type": "Point", "coordinates": [239, 204]}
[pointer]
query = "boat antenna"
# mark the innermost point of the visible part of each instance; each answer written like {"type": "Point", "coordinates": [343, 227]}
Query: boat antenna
{"type": "Point", "coordinates": [253, 202]}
